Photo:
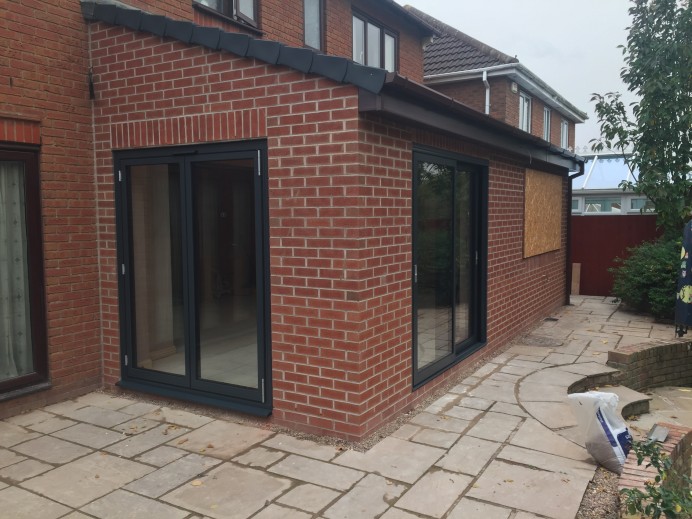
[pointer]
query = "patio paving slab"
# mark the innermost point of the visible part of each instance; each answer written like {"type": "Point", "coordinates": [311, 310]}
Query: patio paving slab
{"type": "Point", "coordinates": [86, 479]}
{"type": "Point", "coordinates": [463, 413]}
{"type": "Point", "coordinates": [29, 419]}
{"type": "Point", "coordinates": [179, 417]}
{"type": "Point", "coordinates": [368, 499]}
{"type": "Point", "coordinates": [259, 457]}
{"type": "Point", "coordinates": [221, 439]}
{"type": "Point", "coordinates": [136, 426]}
{"type": "Point", "coordinates": [397, 513]}
{"type": "Point", "coordinates": [481, 404]}
{"type": "Point", "coordinates": [545, 461]}
{"type": "Point", "coordinates": [532, 392]}
{"type": "Point", "coordinates": [137, 444]}
{"type": "Point", "coordinates": [25, 505]}
{"type": "Point", "coordinates": [126, 505]}
{"type": "Point", "coordinates": [560, 358]}
{"type": "Point", "coordinates": [157, 483]}
{"type": "Point", "coordinates": [317, 472]}
{"type": "Point", "coordinates": [11, 434]}
{"type": "Point", "coordinates": [554, 415]}
{"type": "Point", "coordinates": [104, 400]}
{"type": "Point", "coordinates": [469, 455]}
{"type": "Point", "coordinates": [98, 416]}
{"type": "Point", "coordinates": [89, 435]}
{"type": "Point", "coordinates": [229, 492]}
{"type": "Point", "coordinates": [309, 497]}
{"type": "Point", "coordinates": [307, 448]}
{"type": "Point", "coordinates": [470, 508]}
{"type": "Point", "coordinates": [442, 423]}
{"type": "Point", "coordinates": [24, 470]}
{"type": "Point", "coordinates": [435, 493]}
{"type": "Point", "coordinates": [52, 450]}
{"type": "Point", "coordinates": [435, 438]}
{"type": "Point", "coordinates": [513, 409]}
{"type": "Point", "coordinates": [161, 456]}
{"type": "Point", "coordinates": [7, 458]}
{"type": "Point", "coordinates": [280, 512]}
{"type": "Point", "coordinates": [494, 393]}
{"type": "Point", "coordinates": [524, 488]}
{"type": "Point", "coordinates": [494, 427]}
{"type": "Point", "coordinates": [534, 435]}
{"type": "Point", "coordinates": [393, 458]}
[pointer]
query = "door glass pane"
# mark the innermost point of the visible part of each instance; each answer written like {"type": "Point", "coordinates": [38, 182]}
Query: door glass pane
{"type": "Point", "coordinates": [374, 54]}
{"type": "Point", "coordinates": [434, 261]}
{"type": "Point", "coordinates": [313, 29]}
{"type": "Point", "coordinates": [358, 40]}
{"type": "Point", "coordinates": [225, 271]}
{"type": "Point", "coordinates": [16, 355]}
{"type": "Point", "coordinates": [463, 259]}
{"type": "Point", "coordinates": [157, 260]}
{"type": "Point", "coordinates": [389, 52]}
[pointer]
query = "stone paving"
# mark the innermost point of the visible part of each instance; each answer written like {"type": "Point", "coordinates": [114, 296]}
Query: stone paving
{"type": "Point", "coordinates": [501, 444]}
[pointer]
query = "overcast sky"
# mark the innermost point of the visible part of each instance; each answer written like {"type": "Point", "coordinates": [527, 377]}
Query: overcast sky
{"type": "Point", "coordinates": [569, 44]}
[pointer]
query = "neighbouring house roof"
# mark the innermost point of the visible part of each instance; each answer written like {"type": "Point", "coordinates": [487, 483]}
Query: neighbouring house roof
{"type": "Point", "coordinates": [603, 172]}
{"type": "Point", "coordinates": [380, 92]}
{"type": "Point", "coordinates": [456, 56]}
{"type": "Point", "coordinates": [453, 50]}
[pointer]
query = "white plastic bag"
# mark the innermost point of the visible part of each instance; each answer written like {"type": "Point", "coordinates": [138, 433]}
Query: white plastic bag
{"type": "Point", "coordinates": [606, 436]}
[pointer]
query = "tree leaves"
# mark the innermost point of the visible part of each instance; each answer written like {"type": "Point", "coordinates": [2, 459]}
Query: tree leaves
{"type": "Point", "coordinates": [657, 141]}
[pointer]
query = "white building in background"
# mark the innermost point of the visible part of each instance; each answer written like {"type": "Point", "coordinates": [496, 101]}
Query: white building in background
{"type": "Point", "coordinates": [598, 190]}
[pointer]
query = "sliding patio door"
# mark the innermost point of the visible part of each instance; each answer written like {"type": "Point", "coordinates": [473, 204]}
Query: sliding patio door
{"type": "Point", "coordinates": [448, 261]}
{"type": "Point", "coordinates": [193, 270]}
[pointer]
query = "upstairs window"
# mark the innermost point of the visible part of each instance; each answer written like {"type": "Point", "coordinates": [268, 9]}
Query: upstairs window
{"type": "Point", "coordinates": [373, 45]}
{"type": "Point", "coordinates": [312, 10]}
{"type": "Point", "coordinates": [524, 112]}
{"type": "Point", "coordinates": [240, 10]}
{"type": "Point", "coordinates": [546, 124]}
{"type": "Point", "coordinates": [564, 134]}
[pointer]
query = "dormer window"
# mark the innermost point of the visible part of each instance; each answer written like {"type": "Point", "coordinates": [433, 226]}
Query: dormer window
{"type": "Point", "coordinates": [244, 11]}
{"type": "Point", "coordinates": [373, 44]}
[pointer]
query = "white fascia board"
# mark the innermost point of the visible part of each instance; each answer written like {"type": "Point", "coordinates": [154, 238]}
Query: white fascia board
{"type": "Point", "coordinates": [526, 79]}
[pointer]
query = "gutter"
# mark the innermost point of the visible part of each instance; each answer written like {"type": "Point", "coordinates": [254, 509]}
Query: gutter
{"type": "Point", "coordinates": [522, 75]}
{"type": "Point", "coordinates": [407, 100]}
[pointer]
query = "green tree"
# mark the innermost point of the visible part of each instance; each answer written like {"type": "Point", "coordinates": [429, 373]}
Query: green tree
{"type": "Point", "coordinates": [658, 70]}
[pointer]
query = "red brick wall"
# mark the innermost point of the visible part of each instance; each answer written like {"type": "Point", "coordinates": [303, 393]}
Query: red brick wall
{"type": "Point", "coordinates": [504, 105]}
{"type": "Point", "coordinates": [339, 221]}
{"type": "Point", "coordinates": [282, 20]}
{"type": "Point", "coordinates": [472, 93]}
{"type": "Point", "coordinates": [43, 89]}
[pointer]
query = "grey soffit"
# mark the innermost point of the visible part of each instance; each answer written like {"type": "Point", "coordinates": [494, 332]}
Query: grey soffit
{"type": "Point", "coordinates": [304, 60]}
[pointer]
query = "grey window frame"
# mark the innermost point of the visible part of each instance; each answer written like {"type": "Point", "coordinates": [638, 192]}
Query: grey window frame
{"type": "Point", "coordinates": [384, 31]}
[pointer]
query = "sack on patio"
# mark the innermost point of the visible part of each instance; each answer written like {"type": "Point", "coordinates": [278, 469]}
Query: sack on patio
{"type": "Point", "coordinates": [607, 438]}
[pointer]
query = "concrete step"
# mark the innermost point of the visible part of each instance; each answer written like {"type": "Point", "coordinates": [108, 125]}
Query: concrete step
{"type": "Point", "coordinates": [630, 402]}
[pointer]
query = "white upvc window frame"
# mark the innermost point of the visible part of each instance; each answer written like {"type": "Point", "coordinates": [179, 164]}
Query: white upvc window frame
{"type": "Point", "coordinates": [564, 133]}
{"type": "Point", "coordinates": [524, 112]}
{"type": "Point", "coordinates": [547, 114]}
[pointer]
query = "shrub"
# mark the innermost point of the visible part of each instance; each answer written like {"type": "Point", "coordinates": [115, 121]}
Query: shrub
{"type": "Point", "coordinates": [659, 498]}
{"type": "Point", "coordinates": [646, 281]}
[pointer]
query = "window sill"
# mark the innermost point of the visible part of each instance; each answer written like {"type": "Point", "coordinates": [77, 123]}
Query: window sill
{"type": "Point", "coordinates": [24, 391]}
{"type": "Point", "coordinates": [228, 19]}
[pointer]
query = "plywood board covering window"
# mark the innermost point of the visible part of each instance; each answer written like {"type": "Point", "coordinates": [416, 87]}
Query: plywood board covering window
{"type": "Point", "coordinates": [542, 212]}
